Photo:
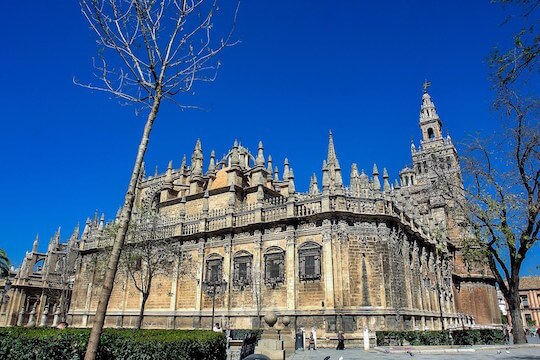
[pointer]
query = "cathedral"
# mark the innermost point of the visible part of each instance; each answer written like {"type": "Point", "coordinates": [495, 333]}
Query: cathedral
{"type": "Point", "coordinates": [376, 253]}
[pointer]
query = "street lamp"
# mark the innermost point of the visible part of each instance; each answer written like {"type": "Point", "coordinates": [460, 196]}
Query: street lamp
{"type": "Point", "coordinates": [212, 289]}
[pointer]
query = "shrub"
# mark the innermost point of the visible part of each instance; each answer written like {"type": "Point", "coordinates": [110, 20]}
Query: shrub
{"type": "Point", "coordinates": [22, 344]}
{"type": "Point", "coordinates": [440, 337]}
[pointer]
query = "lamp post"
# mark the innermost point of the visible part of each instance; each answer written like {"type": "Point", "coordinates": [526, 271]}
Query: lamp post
{"type": "Point", "coordinates": [212, 289]}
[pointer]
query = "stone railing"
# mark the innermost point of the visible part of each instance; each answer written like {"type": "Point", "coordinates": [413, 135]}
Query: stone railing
{"type": "Point", "coordinates": [269, 210]}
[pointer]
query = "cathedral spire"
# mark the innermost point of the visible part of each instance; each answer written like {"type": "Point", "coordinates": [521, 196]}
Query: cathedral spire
{"type": "Point", "coordinates": [259, 161]}
{"type": "Point", "coordinates": [235, 158]}
{"type": "Point", "coordinates": [269, 168]}
{"type": "Point", "coordinates": [386, 183]}
{"type": "Point", "coordinates": [291, 189]}
{"type": "Point", "coordinates": [331, 159]}
{"type": "Point", "coordinates": [313, 184]}
{"type": "Point", "coordinates": [102, 222]}
{"type": "Point", "coordinates": [35, 245]}
{"type": "Point", "coordinates": [183, 165]}
{"type": "Point", "coordinates": [197, 159]}
{"type": "Point", "coordinates": [286, 169]}
{"type": "Point", "coordinates": [56, 238]}
{"type": "Point", "coordinates": [376, 181]}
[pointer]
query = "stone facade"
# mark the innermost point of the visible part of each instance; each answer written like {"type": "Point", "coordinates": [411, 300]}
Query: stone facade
{"type": "Point", "coordinates": [40, 291]}
{"type": "Point", "coordinates": [529, 292]}
{"type": "Point", "coordinates": [337, 257]}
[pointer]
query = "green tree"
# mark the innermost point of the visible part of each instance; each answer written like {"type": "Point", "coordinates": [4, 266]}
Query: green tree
{"type": "Point", "coordinates": [150, 51]}
{"type": "Point", "coordinates": [4, 263]}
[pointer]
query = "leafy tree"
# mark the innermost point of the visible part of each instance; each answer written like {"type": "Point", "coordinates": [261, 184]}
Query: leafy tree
{"type": "Point", "coordinates": [4, 263]}
{"type": "Point", "coordinates": [150, 51]}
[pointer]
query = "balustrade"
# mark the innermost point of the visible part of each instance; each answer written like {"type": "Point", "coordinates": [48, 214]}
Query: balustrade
{"type": "Point", "coordinates": [271, 209]}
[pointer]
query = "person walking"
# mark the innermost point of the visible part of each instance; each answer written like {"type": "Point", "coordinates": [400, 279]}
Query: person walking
{"type": "Point", "coordinates": [311, 342]}
{"type": "Point", "coordinates": [341, 341]}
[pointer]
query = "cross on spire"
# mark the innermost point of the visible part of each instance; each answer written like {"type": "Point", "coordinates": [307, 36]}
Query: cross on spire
{"type": "Point", "coordinates": [426, 85]}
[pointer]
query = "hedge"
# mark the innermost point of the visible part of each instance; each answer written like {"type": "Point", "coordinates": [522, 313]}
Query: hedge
{"type": "Point", "coordinates": [441, 337]}
{"type": "Point", "coordinates": [37, 344]}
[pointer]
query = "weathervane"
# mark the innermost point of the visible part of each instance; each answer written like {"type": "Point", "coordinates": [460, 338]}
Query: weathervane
{"type": "Point", "coordinates": [426, 85]}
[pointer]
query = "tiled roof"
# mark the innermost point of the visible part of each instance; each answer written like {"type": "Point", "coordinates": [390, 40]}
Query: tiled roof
{"type": "Point", "coordinates": [529, 283]}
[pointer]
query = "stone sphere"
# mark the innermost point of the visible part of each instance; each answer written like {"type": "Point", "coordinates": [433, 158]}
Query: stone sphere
{"type": "Point", "coordinates": [270, 319]}
{"type": "Point", "coordinates": [286, 320]}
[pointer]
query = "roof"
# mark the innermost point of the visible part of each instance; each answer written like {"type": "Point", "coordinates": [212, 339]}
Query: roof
{"type": "Point", "coordinates": [529, 283]}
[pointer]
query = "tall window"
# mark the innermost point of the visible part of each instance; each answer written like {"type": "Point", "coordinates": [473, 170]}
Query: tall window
{"type": "Point", "coordinates": [214, 268]}
{"type": "Point", "coordinates": [274, 260]}
{"type": "Point", "coordinates": [524, 301]}
{"type": "Point", "coordinates": [309, 256]}
{"type": "Point", "coordinates": [242, 268]}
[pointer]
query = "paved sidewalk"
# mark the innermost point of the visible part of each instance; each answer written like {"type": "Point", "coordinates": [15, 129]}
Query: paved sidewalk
{"type": "Point", "coordinates": [350, 354]}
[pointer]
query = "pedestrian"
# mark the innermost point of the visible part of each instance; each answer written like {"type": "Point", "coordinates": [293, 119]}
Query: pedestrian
{"type": "Point", "coordinates": [506, 334]}
{"type": "Point", "coordinates": [340, 341]}
{"type": "Point", "coordinates": [314, 333]}
{"type": "Point", "coordinates": [311, 342]}
{"type": "Point", "coordinates": [217, 328]}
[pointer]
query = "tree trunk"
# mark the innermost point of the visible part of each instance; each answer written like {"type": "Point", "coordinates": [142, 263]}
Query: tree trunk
{"type": "Point", "coordinates": [112, 266]}
{"type": "Point", "coordinates": [141, 310]}
{"type": "Point", "coordinates": [514, 304]}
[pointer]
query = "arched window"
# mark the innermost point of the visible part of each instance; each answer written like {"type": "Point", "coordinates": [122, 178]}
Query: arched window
{"type": "Point", "coordinates": [242, 268]}
{"type": "Point", "coordinates": [274, 261]}
{"type": "Point", "coordinates": [38, 266]}
{"type": "Point", "coordinates": [430, 133]}
{"type": "Point", "coordinates": [309, 256]}
{"type": "Point", "coordinates": [214, 268]}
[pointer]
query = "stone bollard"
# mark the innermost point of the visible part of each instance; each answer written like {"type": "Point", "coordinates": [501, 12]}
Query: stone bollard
{"type": "Point", "coordinates": [366, 339]}
{"type": "Point", "coordinates": [56, 318]}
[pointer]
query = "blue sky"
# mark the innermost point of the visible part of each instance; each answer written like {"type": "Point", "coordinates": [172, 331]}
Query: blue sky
{"type": "Point", "coordinates": [302, 67]}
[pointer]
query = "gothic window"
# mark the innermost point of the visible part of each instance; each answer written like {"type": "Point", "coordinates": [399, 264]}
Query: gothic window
{"type": "Point", "coordinates": [309, 256]}
{"type": "Point", "coordinates": [214, 268]}
{"type": "Point", "coordinates": [242, 268]}
{"type": "Point", "coordinates": [274, 261]}
{"type": "Point", "coordinates": [38, 266]}
{"type": "Point", "coordinates": [430, 133]}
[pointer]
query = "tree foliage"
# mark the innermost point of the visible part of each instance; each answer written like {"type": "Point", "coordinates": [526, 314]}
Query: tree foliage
{"type": "Point", "coordinates": [4, 263]}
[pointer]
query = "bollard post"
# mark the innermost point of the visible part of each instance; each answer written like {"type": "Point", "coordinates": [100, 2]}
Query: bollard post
{"type": "Point", "coordinates": [366, 339]}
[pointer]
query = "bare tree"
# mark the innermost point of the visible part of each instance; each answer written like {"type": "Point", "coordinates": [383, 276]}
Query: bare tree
{"type": "Point", "coordinates": [498, 211]}
{"type": "Point", "coordinates": [151, 50]}
{"type": "Point", "coordinates": [144, 258]}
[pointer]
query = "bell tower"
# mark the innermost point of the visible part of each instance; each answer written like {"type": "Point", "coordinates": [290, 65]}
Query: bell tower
{"type": "Point", "coordinates": [430, 123]}
{"type": "Point", "coordinates": [436, 153]}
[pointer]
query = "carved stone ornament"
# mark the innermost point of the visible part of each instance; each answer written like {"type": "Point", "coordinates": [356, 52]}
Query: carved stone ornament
{"type": "Point", "coordinates": [270, 318]}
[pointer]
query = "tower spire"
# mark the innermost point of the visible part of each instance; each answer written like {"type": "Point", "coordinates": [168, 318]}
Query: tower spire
{"type": "Point", "coordinates": [331, 158]}
{"type": "Point", "coordinates": [430, 123]}
{"type": "Point", "coordinates": [35, 245]}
